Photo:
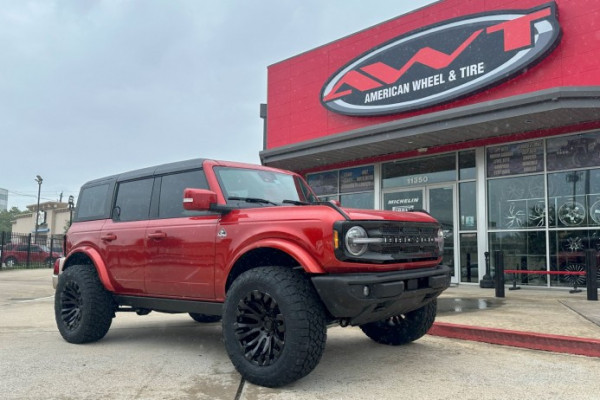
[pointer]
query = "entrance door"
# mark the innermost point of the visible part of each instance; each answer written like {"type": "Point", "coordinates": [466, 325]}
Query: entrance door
{"type": "Point", "coordinates": [439, 201]}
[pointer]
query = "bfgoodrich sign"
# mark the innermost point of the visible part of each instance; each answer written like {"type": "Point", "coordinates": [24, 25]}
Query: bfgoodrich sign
{"type": "Point", "coordinates": [443, 62]}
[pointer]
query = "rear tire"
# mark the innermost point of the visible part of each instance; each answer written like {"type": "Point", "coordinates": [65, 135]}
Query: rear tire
{"type": "Point", "coordinates": [404, 328]}
{"type": "Point", "coordinates": [274, 326]}
{"type": "Point", "coordinates": [83, 309]}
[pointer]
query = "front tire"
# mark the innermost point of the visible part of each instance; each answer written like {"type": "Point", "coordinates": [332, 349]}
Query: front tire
{"type": "Point", "coordinates": [402, 329]}
{"type": "Point", "coordinates": [274, 326]}
{"type": "Point", "coordinates": [83, 309]}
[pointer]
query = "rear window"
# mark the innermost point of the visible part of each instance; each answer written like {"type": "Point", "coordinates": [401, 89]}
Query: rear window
{"type": "Point", "coordinates": [92, 203]}
{"type": "Point", "coordinates": [133, 200]}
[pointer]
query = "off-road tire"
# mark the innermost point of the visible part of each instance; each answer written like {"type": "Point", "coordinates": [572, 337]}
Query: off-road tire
{"type": "Point", "coordinates": [205, 318]}
{"type": "Point", "coordinates": [402, 329]}
{"type": "Point", "coordinates": [274, 326]}
{"type": "Point", "coordinates": [83, 309]}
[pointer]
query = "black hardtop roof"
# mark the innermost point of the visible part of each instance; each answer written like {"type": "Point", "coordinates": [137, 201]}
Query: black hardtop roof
{"type": "Point", "coordinates": [149, 171]}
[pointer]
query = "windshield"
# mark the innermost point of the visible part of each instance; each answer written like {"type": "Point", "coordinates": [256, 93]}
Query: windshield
{"type": "Point", "coordinates": [262, 187]}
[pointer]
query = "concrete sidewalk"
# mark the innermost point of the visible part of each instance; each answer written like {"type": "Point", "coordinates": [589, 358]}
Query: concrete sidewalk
{"type": "Point", "coordinates": [542, 319]}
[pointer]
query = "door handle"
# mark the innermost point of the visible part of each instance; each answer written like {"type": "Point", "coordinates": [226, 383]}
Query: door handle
{"type": "Point", "coordinates": [109, 237]}
{"type": "Point", "coordinates": [157, 235]}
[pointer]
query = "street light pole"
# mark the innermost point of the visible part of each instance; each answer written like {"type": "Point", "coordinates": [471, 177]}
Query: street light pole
{"type": "Point", "coordinates": [39, 180]}
{"type": "Point", "coordinates": [71, 206]}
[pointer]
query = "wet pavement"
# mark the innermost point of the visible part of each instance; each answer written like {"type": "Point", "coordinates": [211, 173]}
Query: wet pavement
{"type": "Point", "coordinates": [560, 320]}
{"type": "Point", "coordinates": [165, 356]}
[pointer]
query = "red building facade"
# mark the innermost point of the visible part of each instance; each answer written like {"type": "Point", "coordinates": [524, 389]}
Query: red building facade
{"type": "Point", "coordinates": [484, 113]}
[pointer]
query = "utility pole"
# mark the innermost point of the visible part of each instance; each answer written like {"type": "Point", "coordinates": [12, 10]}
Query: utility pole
{"type": "Point", "coordinates": [39, 180]}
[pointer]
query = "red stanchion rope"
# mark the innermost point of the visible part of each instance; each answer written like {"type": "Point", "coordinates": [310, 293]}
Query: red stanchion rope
{"type": "Point", "coordinates": [517, 271]}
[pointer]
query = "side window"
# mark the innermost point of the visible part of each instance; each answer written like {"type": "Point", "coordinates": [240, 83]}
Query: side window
{"type": "Point", "coordinates": [171, 193]}
{"type": "Point", "coordinates": [133, 200]}
{"type": "Point", "coordinates": [92, 203]}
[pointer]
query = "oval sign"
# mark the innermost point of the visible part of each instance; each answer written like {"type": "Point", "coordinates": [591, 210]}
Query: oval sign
{"type": "Point", "coordinates": [443, 62]}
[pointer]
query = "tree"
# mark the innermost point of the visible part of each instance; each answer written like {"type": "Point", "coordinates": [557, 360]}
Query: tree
{"type": "Point", "coordinates": [6, 218]}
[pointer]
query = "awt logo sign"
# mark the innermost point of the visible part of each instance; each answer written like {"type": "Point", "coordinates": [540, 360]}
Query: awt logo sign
{"type": "Point", "coordinates": [443, 62]}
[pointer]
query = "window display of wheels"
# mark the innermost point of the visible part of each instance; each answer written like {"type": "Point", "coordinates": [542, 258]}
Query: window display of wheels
{"type": "Point", "coordinates": [595, 212]}
{"type": "Point", "coordinates": [571, 213]}
{"type": "Point", "coordinates": [574, 280]}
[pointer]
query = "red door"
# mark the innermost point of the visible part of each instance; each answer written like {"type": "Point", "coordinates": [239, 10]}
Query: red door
{"type": "Point", "coordinates": [181, 257]}
{"type": "Point", "coordinates": [123, 249]}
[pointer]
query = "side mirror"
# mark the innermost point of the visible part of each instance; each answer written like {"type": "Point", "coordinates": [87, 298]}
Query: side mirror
{"type": "Point", "coordinates": [336, 202]}
{"type": "Point", "coordinates": [198, 199]}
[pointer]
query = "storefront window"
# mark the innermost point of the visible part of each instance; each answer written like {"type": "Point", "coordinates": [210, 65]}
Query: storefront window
{"type": "Point", "coordinates": [574, 198]}
{"type": "Point", "coordinates": [561, 200]}
{"type": "Point", "coordinates": [466, 165]}
{"type": "Point", "coordinates": [575, 151]}
{"type": "Point", "coordinates": [468, 206]}
{"type": "Point", "coordinates": [524, 251]}
{"type": "Point", "coordinates": [419, 171]}
{"type": "Point", "coordinates": [324, 183]}
{"type": "Point", "coordinates": [516, 203]}
{"type": "Point", "coordinates": [358, 200]}
{"type": "Point", "coordinates": [567, 253]}
{"type": "Point", "coordinates": [353, 187]}
{"type": "Point", "coordinates": [515, 158]}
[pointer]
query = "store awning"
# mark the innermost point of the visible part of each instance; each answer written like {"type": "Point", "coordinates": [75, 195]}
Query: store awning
{"type": "Point", "coordinates": [547, 109]}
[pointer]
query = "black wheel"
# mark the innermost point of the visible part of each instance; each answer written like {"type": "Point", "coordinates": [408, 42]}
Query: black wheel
{"type": "Point", "coordinates": [205, 318]}
{"type": "Point", "coordinates": [402, 329]}
{"type": "Point", "coordinates": [83, 309]}
{"type": "Point", "coordinates": [10, 262]}
{"type": "Point", "coordinates": [274, 326]}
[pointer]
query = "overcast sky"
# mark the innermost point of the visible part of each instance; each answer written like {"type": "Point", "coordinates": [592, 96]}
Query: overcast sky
{"type": "Point", "coordinates": [90, 88]}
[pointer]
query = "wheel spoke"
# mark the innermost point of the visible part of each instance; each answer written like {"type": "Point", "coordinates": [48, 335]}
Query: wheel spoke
{"type": "Point", "coordinates": [260, 328]}
{"type": "Point", "coordinates": [71, 305]}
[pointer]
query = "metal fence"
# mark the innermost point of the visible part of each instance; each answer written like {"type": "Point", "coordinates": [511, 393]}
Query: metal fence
{"type": "Point", "coordinates": [18, 250]}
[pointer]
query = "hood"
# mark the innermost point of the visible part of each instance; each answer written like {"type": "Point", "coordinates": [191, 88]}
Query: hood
{"type": "Point", "coordinates": [414, 216]}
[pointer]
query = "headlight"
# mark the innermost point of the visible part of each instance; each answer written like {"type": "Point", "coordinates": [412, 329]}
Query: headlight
{"type": "Point", "coordinates": [440, 240]}
{"type": "Point", "coordinates": [354, 241]}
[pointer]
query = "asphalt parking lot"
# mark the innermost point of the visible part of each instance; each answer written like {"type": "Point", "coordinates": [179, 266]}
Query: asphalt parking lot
{"type": "Point", "coordinates": [161, 356]}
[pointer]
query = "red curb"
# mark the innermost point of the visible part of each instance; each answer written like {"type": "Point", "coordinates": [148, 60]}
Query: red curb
{"type": "Point", "coordinates": [528, 340]}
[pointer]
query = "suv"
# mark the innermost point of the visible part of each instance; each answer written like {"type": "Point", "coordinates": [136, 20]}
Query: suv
{"type": "Point", "coordinates": [253, 246]}
{"type": "Point", "coordinates": [14, 254]}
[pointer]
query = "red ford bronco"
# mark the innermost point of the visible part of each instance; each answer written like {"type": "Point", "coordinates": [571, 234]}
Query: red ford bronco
{"type": "Point", "coordinates": [252, 246]}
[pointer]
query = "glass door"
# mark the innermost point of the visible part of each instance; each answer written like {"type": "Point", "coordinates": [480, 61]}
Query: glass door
{"type": "Point", "coordinates": [439, 201]}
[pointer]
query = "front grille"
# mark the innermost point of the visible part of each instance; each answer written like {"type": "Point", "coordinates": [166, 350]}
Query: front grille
{"type": "Point", "coordinates": [394, 241]}
{"type": "Point", "coordinates": [405, 241]}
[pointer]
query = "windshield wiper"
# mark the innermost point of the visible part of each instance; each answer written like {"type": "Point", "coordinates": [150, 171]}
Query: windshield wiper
{"type": "Point", "coordinates": [295, 202]}
{"type": "Point", "coordinates": [252, 200]}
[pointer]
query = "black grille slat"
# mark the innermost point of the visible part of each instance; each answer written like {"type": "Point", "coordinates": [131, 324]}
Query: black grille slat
{"type": "Point", "coordinates": [404, 241]}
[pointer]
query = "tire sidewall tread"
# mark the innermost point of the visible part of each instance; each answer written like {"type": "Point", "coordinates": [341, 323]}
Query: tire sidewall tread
{"type": "Point", "coordinates": [305, 325]}
{"type": "Point", "coordinates": [413, 326]}
{"type": "Point", "coordinates": [97, 308]}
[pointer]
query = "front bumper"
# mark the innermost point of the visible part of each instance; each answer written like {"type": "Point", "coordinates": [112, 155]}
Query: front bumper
{"type": "Point", "coordinates": [369, 297]}
{"type": "Point", "coordinates": [59, 264]}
